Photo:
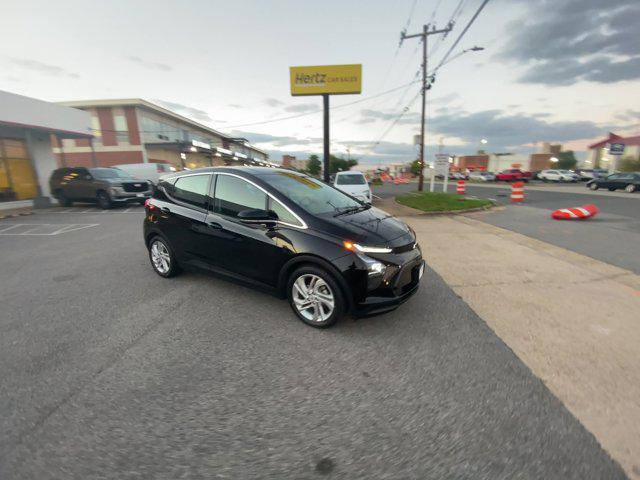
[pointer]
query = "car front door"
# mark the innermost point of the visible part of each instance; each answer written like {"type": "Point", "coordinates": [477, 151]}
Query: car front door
{"type": "Point", "coordinates": [251, 250]}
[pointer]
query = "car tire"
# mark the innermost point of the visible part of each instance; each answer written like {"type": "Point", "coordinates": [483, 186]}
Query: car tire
{"type": "Point", "coordinates": [593, 186]}
{"type": "Point", "coordinates": [326, 301]}
{"type": "Point", "coordinates": [163, 260]}
{"type": "Point", "coordinates": [103, 200]}
{"type": "Point", "coordinates": [62, 199]}
{"type": "Point", "coordinates": [630, 188]}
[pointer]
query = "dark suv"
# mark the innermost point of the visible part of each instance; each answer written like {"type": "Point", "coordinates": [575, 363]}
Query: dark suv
{"type": "Point", "coordinates": [325, 251]}
{"type": "Point", "coordinates": [105, 186]}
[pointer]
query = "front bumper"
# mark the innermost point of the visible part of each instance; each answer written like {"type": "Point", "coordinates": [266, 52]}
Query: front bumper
{"type": "Point", "coordinates": [405, 284]}
{"type": "Point", "coordinates": [119, 195]}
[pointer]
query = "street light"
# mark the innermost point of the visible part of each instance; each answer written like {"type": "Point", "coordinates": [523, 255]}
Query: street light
{"type": "Point", "coordinates": [483, 141]}
{"type": "Point", "coordinates": [475, 48]}
{"type": "Point", "coordinates": [553, 160]}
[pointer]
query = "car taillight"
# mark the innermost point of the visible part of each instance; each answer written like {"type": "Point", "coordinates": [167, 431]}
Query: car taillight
{"type": "Point", "coordinates": [148, 205]}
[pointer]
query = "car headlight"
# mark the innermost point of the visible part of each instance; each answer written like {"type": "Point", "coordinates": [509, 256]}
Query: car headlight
{"type": "Point", "coordinates": [354, 247]}
{"type": "Point", "coordinates": [374, 267]}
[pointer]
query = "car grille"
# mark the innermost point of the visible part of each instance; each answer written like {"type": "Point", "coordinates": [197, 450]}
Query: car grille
{"type": "Point", "coordinates": [135, 187]}
{"type": "Point", "coordinates": [405, 248]}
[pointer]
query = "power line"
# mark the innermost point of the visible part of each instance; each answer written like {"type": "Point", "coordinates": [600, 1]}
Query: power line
{"type": "Point", "coordinates": [397, 119]}
{"type": "Point", "coordinates": [455, 44]}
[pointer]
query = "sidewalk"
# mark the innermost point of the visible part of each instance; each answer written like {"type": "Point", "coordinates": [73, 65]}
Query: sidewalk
{"type": "Point", "coordinates": [573, 320]}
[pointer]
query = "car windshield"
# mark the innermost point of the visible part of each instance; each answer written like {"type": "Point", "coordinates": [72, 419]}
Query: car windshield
{"type": "Point", "coordinates": [106, 173]}
{"type": "Point", "coordinates": [311, 194]}
{"type": "Point", "coordinates": [350, 179]}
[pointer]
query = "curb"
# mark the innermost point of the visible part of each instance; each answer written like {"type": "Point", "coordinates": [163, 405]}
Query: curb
{"type": "Point", "coordinates": [419, 213]}
{"type": "Point", "coordinates": [14, 215]}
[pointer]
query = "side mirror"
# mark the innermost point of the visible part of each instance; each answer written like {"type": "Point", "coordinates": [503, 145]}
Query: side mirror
{"type": "Point", "coordinates": [256, 215]}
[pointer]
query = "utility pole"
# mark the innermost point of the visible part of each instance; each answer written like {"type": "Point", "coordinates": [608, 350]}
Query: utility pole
{"type": "Point", "coordinates": [425, 86]}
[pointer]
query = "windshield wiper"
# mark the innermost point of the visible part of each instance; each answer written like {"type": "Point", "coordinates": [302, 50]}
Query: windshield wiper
{"type": "Point", "coordinates": [355, 209]}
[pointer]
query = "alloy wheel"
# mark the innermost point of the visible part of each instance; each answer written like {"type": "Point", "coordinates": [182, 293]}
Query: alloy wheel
{"type": "Point", "coordinates": [160, 257]}
{"type": "Point", "coordinates": [630, 188]}
{"type": "Point", "coordinates": [313, 298]}
{"type": "Point", "coordinates": [593, 186]}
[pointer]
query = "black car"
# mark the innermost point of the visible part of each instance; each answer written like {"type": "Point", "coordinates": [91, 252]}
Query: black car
{"type": "Point", "coordinates": [325, 251]}
{"type": "Point", "coordinates": [104, 186]}
{"type": "Point", "coordinates": [629, 181]}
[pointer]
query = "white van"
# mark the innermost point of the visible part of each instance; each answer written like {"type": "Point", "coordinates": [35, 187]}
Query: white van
{"type": "Point", "coordinates": [354, 183]}
{"type": "Point", "coordinates": [147, 171]}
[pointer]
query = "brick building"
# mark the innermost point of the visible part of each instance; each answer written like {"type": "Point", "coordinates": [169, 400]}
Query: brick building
{"type": "Point", "coordinates": [137, 131]}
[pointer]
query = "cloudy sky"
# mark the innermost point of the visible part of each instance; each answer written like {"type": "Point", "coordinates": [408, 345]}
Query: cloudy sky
{"type": "Point", "coordinates": [552, 70]}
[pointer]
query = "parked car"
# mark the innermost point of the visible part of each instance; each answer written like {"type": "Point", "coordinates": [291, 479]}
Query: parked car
{"type": "Point", "coordinates": [481, 176]}
{"type": "Point", "coordinates": [104, 186]}
{"type": "Point", "coordinates": [513, 174]}
{"type": "Point", "coordinates": [307, 241]}
{"type": "Point", "coordinates": [589, 174]}
{"type": "Point", "coordinates": [558, 176]}
{"type": "Point", "coordinates": [629, 181]}
{"type": "Point", "coordinates": [147, 171]}
{"type": "Point", "coordinates": [353, 183]}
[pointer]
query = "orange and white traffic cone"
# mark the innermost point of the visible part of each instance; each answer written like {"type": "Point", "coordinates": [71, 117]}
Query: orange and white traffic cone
{"type": "Point", "coordinates": [517, 192]}
{"type": "Point", "coordinates": [575, 213]}
{"type": "Point", "coordinates": [460, 190]}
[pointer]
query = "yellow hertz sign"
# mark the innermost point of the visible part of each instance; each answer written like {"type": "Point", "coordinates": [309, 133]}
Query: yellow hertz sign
{"type": "Point", "coordinates": [331, 79]}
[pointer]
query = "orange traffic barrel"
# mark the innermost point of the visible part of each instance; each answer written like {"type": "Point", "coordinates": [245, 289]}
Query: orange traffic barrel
{"type": "Point", "coordinates": [460, 187]}
{"type": "Point", "coordinates": [517, 192]}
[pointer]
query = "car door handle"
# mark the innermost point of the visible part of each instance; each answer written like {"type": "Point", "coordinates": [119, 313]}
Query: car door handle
{"type": "Point", "coordinates": [165, 210]}
{"type": "Point", "coordinates": [215, 225]}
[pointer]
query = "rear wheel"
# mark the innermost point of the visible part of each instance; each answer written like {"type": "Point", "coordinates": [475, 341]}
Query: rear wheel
{"type": "Point", "coordinates": [103, 200]}
{"type": "Point", "coordinates": [162, 258]}
{"type": "Point", "coordinates": [315, 296]}
{"type": "Point", "coordinates": [593, 186]}
{"type": "Point", "coordinates": [630, 188]}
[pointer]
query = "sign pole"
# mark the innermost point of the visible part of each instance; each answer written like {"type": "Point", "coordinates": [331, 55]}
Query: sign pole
{"type": "Point", "coordinates": [325, 102]}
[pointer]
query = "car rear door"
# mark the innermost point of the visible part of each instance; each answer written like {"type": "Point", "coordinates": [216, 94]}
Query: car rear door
{"type": "Point", "coordinates": [183, 219]}
{"type": "Point", "coordinates": [250, 250]}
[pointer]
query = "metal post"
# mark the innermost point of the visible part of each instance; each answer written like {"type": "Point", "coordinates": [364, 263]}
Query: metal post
{"type": "Point", "coordinates": [325, 101]}
{"type": "Point", "coordinates": [425, 28]}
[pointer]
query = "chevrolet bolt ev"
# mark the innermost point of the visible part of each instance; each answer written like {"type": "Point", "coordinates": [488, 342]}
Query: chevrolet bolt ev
{"type": "Point", "coordinates": [328, 253]}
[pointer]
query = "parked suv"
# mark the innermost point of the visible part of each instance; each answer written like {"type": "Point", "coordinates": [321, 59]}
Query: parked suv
{"type": "Point", "coordinates": [325, 251]}
{"type": "Point", "coordinates": [105, 186]}
{"type": "Point", "coordinates": [558, 176]}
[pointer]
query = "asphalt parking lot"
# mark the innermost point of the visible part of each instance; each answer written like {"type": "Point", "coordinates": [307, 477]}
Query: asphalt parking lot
{"type": "Point", "coordinates": [110, 371]}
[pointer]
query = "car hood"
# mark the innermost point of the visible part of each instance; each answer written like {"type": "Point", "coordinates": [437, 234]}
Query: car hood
{"type": "Point", "coordinates": [372, 227]}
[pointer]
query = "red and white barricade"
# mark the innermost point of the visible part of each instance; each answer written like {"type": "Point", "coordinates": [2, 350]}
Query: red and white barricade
{"type": "Point", "coordinates": [517, 192]}
{"type": "Point", "coordinates": [575, 213]}
{"type": "Point", "coordinates": [460, 188]}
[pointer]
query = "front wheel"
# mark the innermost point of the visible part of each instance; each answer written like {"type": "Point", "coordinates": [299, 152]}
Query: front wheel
{"type": "Point", "coordinates": [315, 297]}
{"type": "Point", "coordinates": [104, 202]}
{"type": "Point", "coordinates": [593, 186]}
{"type": "Point", "coordinates": [62, 199]}
{"type": "Point", "coordinates": [630, 188]}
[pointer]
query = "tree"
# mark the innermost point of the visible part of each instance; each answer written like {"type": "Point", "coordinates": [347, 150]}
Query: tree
{"type": "Point", "coordinates": [337, 164]}
{"type": "Point", "coordinates": [415, 167]}
{"type": "Point", "coordinates": [314, 166]}
{"type": "Point", "coordinates": [566, 160]}
{"type": "Point", "coordinates": [629, 164]}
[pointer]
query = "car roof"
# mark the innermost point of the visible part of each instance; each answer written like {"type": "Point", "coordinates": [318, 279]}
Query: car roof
{"type": "Point", "coordinates": [257, 171]}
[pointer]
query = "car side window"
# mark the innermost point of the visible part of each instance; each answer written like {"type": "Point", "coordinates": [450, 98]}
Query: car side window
{"type": "Point", "coordinates": [284, 215]}
{"type": "Point", "coordinates": [233, 195]}
{"type": "Point", "coordinates": [192, 189]}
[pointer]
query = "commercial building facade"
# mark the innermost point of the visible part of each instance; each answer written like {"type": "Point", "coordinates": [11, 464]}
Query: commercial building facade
{"type": "Point", "coordinates": [599, 156]}
{"type": "Point", "coordinates": [138, 131]}
{"type": "Point", "coordinates": [27, 126]}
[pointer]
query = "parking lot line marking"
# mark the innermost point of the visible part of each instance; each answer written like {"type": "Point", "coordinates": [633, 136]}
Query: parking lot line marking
{"type": "Point", "coordinates": [12, 226]}
{"type": "Point", "coordinates": [65, 228]}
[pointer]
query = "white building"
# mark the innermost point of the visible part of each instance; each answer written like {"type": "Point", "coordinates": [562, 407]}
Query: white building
{"type": "Point", "coordinates": [26, 156]}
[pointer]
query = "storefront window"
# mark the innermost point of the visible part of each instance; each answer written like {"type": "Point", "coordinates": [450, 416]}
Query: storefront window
{"type": "Point", "coordinates": [17, 178]}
